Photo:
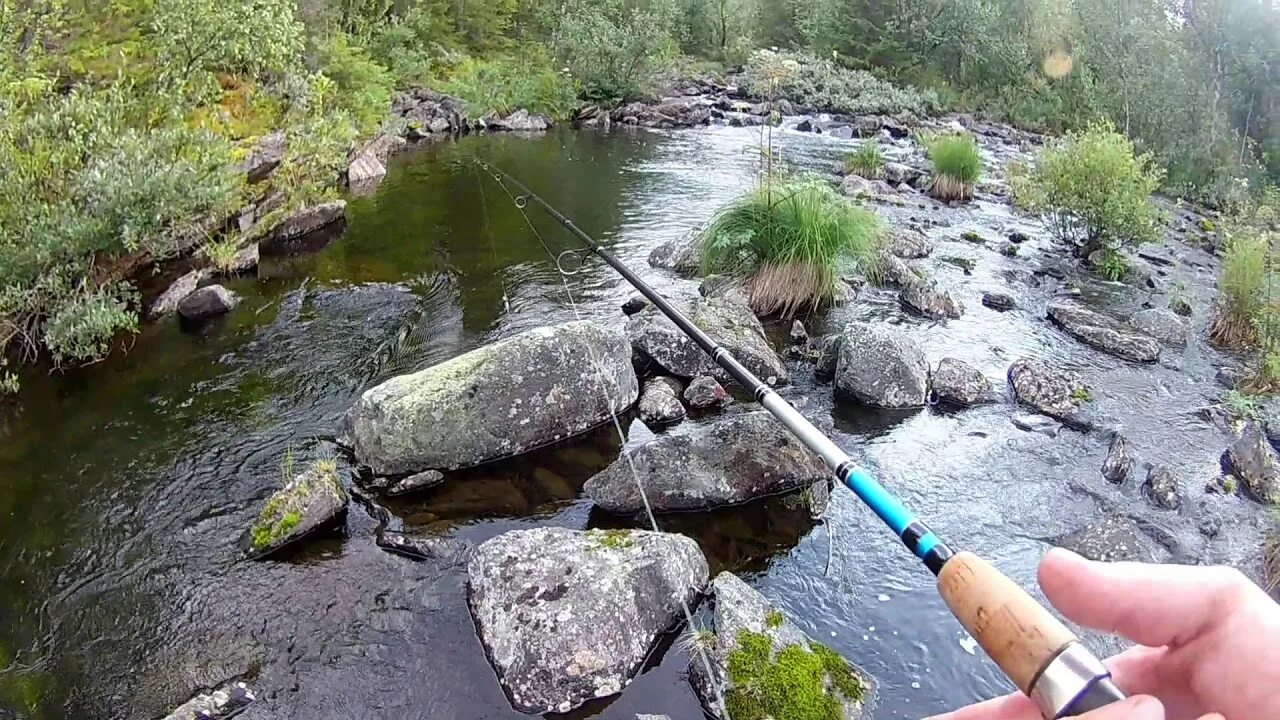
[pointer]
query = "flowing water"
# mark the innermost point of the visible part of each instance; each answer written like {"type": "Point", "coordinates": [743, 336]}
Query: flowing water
{"type": "Point", "coordinates": [128, 484]}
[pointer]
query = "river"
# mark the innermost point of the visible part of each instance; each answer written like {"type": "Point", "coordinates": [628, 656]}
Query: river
{"type": "Point", "coordinates": [130, 483]}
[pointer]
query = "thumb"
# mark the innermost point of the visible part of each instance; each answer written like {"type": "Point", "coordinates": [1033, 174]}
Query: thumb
{"type": "Point", "coordinates": [1138, 707]}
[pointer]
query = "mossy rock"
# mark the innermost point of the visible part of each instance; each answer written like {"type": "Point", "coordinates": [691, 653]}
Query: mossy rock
{"type": "Point", "coordinates": [1207, 225]}
{"type": "Point", "coordinates": [312, 501]}
{"type": "Point", "coordinates": [764, 666]}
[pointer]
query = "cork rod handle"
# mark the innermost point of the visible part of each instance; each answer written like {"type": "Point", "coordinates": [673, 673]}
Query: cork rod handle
{"type": "Point", "coordinates": [1017, 632]}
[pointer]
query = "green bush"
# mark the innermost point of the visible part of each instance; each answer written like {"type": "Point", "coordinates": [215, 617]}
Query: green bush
{"type": "Point", "coordinates": [865, 162]}
{"type": "Point", "coordinates": [1113, 265]}
{"type": "Point", "coordinates": [1093, 190]}
{"type": "Point", "coordinates": [956, 166]}
{"type": "Point", "coordinates": [506, 83]}
{"type": "Point", "coordinates": [1242, 285]}
{"type": "Point", "coordinates": [361, 86]}
{"type": "Point", "coordinates": [818, 83]}
{"type": "Point", "coordinates": [790, 242]}
{"type": "Point", "coordinates": [82, 328]}
{"type": "Point", "coordinates": [614, 49]}
{"type": "Point", "coordinates": [417, 47]}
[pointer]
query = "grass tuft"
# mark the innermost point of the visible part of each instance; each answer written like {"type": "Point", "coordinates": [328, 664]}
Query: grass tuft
{"type": "Point", "coordinates": [866, 162]}
{"type": "Point", "coordinates": [221, 254]}
{"type": "Point", "coordinates": [956, 167]}
{"type": "Point", "coordinates": [1241, 297]}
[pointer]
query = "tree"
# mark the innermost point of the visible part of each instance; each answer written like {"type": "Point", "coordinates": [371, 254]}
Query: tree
{"type": "Point", "coordinates": [253, 36]}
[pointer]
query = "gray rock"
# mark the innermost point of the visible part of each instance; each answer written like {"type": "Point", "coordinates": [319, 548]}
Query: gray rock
{"type": "Point", "coordinates": [1103, 333]}
{"type": "Point", "coordinates": [799, 335]}
{"type": "Point", "coordinates": [365, 170]}
{"type": "Point", "coordinates": [716, 284]}
{"type": "Point", "coordinates": [634, 304]}
{"type": "Point", "coordinates": [704, 392]}
{"type": "Point", "coordinates": [660, 402]}
{"type": "Point", "coordinates": [568, 616]}
{"type": "Point", "coordinates": [741, 611]}
{"type": "Point", "coordinates": [826, 351]}
{"type": "Point", "coordinates": [265, 157]}
{"type": "Point", "coordinates": [182, 287]}
{"type": "Point", "coordinates": [1253, 461]}
{"type": "Point", "coordinates": [302, 223]}
{"type": "Point", "coordinates": [443, 551]}
{"type": "Point", "coordinates": [1112, 539]}
{"type": "Point", "coordinates": [896, 273]}
{"type": "Point", "coordinates": [1163, 325]}
{"type": "Point", "coordinates": [898, 173]}
{"type": "Point", "coordinates": [1180, 306]}
{"type": "Point", "coordinates": [680, 256]}
{"type": "Point", "coordinates": [1119, 460]}
{"type": "Point", "coordinates": [312, 501]}
{"type": "Point", "coordinates": [1019, 237]}
{"type": "Point", "coordinates": [520, 121]}
{"type": "Point", "coordinates": [1000, 302]}
{"type": "Point", "coordinates": [819, 497]}
{"type": "Point", "coordinates": [1161, 488]}
{"type": "Point", "coordinates": [220, 704]}
{"type": "Point", "coordinates": [1056, 393]}
{"type": "Point", "coordinates": [415, 482]}
{"type": "Point", "coordinates": [879, 367]}
{"type": "Point", "coordinates": [924, 298]}
{"type": "Point", "coordinates": [1037, 424]}
{"type": "Point", "coordinates": [957, 383]}
{"type": "Point", "coordinates": [724, 317]}
{"type": "Point", "coordinates": [244, 260]}
{"type": "Point", "coordinates": [206, 302]}
{"type": "Point", "coordinates": [857, 186]}
{"type": "Point", "coordinates": [909, 244]}
{"type": "Point", "coordinates": [731, 461]}
{"type": "Point", "coordinates": [539, 387]}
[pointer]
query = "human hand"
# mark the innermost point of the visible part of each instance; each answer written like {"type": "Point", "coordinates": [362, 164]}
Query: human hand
{"type": "Point", "coordinates": [1208, 640]}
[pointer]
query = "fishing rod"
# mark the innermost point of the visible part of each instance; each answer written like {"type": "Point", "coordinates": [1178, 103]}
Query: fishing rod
{"type": "Point", "coordinates": [1036, 651]}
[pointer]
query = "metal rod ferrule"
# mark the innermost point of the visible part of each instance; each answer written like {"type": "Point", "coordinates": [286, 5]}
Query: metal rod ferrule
{"type": "Point", "coordinates": [1073, 683]}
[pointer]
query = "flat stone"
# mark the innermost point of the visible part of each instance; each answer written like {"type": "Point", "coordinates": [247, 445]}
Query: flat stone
{"type": "Point", "coordinates": [957, 383]}
{"type": "Point", "coordinates": [725, 317]}
{"type": "Point", "coordinates": [1112, 539]}
{"type": "Point", "coordinates": [1161, 324]}
{"type": "Point", "coordinates": [301, 223]}
{"type": "Point", "coordinates": [207, 302]}
{"type": "Point", "coordinates": [1000, 302]}
{"type": "Point", "coordinates": [1052, 392]}
{"type": "Point", "coordinates": [924, 298]}
{"type": "Point", "coordinates": [416, 482]}
{"type": "Point", "coordinates": [1037, 424]}
{"type": "Point", "coordinates": [1103, 333]}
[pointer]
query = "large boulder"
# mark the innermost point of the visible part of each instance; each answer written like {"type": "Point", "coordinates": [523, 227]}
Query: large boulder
{"type": "Point", "coordinates": [1056, 393]}
{"type": "Point", "coordinates": [207, 302]}
{"type": "Point", "coordinates": [879, 367]}
{"type": "Point", "coordinates": [731, 461]}
{"type": "Point", "coordinates": [726, 318]}
{"type": "Point", "coordinates": [568, 616]}
{"type": "Point", "coordinates": [957, 383]}
{"type": "Point", "coordinates": [909, 244]}
{"type": "Point", "coordinates": [539, 387]}
{"type": "Point", "coordinates": [680, 255]}
{"type": "Point", "coordinates": [1161, 324]}
{"type": "Point", "coordinates": [312, 501]}
{"type": "Point", "coordinates": [168, 300]}
{"type": "Point", "coordinates": [660, 402]}
{"type": "Point", "coordinates": [1253, 460]}
{"type": "Point", "coordinates": [764, 666]}
{"type": "Point", "coordinates": [298, 225]}
{"type": "Point", "coordinates": [923, 297]}
{"type": "Point", "coordinates": [1103, 333]}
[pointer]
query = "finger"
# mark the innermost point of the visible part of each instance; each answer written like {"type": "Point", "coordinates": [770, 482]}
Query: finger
{"type": "Point", "coordinates": [1010, 707]}
{"type": "Point", "coordinates": [1138, 707]}
{"type": "Point", "coordinates": [1149, 604]}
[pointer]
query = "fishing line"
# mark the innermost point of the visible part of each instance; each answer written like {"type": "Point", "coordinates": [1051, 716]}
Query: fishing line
{"type": "Point", "coordinates": [520, 203]}
{"type": "Point", "coordinates": [493, 247]}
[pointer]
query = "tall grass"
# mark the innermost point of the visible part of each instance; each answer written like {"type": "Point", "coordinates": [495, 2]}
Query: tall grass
{"type": "Point", "coordinates": [1241, 292]}
{"type": "Point", "coordinates": [789, 242]}
{"type": "Point", "coordinates": [865, 162]}
{"type": "Point", "coordinates": [956, 167]}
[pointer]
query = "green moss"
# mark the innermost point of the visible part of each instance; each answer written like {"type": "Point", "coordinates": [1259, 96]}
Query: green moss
{"type": "Point", "coordinates": [1081, 395]}
{"type": "Point", "coordinates": [1229, 484]}
{"type": "Point", "coordinates": [1207, 225]}
{"type": "Point", "coordinates": [615, 539]}
{"type": "Point", "coordinates": [773, 620]}
{"type": "Point", "coordinates": [792, 684]}
{"type": "Point", "coordinates": [973, 237]}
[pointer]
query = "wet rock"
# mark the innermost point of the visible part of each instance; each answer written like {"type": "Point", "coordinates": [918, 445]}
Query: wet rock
{"type": "Point", "coordinates": [302, 223]}
{"type": "Point", "coordinates": [312, 501]}
{"type": "Point", "coordinates": [1161, 488]}
{"type": "Point", "coordinates": [807, 125]}
{"type": "Point", "coordinates": [221, 704]}
{"type": "Point", "coordinates": [1112, 539]}
{"type": "Point", "coordinates": [909, 244]}
{"type": "Point", "coordinates": [539, 387]}
{"type": "Point", "coordinates": [826, 352]}
{"type": "Point", "coordinates": [956, 383]}
{"type": "Point", "coordinates": [1103, 333]}
{"type": "Point", "coordinates": [716, 284]}
{"type": "Point", "coordinates": [243, 261]}
{"type": "Point", "coordinates": [1037, 424]}
{"type": "Point", "coordinates": [897, 273]}
{"type": "Point", "coordinates": [1056, 393]}
{"type": "Point", "coordinates": [1000, 302]}
{"type": "Point", "coordinates": [634, 304]}
{"type": "Point", "coordinates": [731, 461]}
{"type": "Point", "coordinates": [879, 367]}
{"type": "Point", "coordinates": [444, 551]}
{"type": "Point", "coordinates": [1253, 461]}
{"type": "Point", "coordinates": [965, 264]}
{"type": "Point", "coordinates": [182, 287]}
{"type": "Point", "coordinates": [415, 482]}
{"type": "Point", "coordinates": [704, 392]}
{"type": "Point", "coordinates": [207, 302]}
{"type": "Point", "coordinates": [1229, 377]}
{"type": "Point", "coordinates": [365, 170]}
{"type": "Point", "coordinates": [660, 402]}
{"type": "Point", "coordinates": [1179, 305]}
{"type": "Point", "coordinates": [265, 157]}
{"type": "Point", "coordinates": [897, 173]}
{"type": "Point", "coordinates": [750, 632]}
{"type": "Point", "coordinates": [726, 318]}
{"type": "Point", "coordinates": [799, 335]}
{"type": "Point", "coordinates": [680, 256]}
{"type": "Point", "coordinates": [973, 237]}
{"type": "Point", "coordinates": [519, 121]}
{"type": "Point", "coordinates": [568, 616]}
{"type": "Point", "coordinates": [1018, 237]}
{"type": "Point", "coordinates": [1163, 325]}
{"type": "Point", "coordinates": [1009, 250]}
{"type": "Point", "coordinates": [924, 297]}
{"type": "Point", "coordinates": [1119, 460]}
{"type": "Point", "coordinates": [819, 497]}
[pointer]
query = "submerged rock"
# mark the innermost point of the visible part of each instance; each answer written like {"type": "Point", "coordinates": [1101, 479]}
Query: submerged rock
{"type": "Point", "coordinates": [725, 317]}
{"type": "Point", "coordinates": [1037, 424]}
{"type": "Point", "coordinates": [826, 353]}
{"type": "Point", "coordinates": [1119, 460]}
{"type": "Point", "coordinates": [1163, 325]}
{"type": "Point", "coordinates": [731, 461]}
{"type": "Point", "coordinates": [1254, 462]}
{"type": "Point", "coordinates": [302, 223]}
{"type": "Point", "coordinates": [1103, 333]}
{"type": "Point", "coordinates": [764, 666]}
{"type": "Point", "coordinates": [634, 304]}
{"type": "Point", "coordinates": [207, 302]}
{"type": "Point", "coordinates": [221, 704]}
{"type": "Point", "coordinates": [1056, 393]}
{"type": "Point", "coordinates": [924, 297]}
{"type": "Point", "coordinates": [1161, 488]}
{"type": "Point", "coordinates": [1112, 539]}
{"type": "Point", "coordinates": [956, 383]}
{"type": "Point", "coordinates": [879, 367]}
{"type": "Point", "coordinates": [444, 551]}
{"type": "Point", "coordinates": [568, 616]}
{"type": "Point", "coordinates": [539, 387]}
{"type": "Point", "coordinates": [909, 244]}
{"type": "Point", "coordinates": [660, 402]}
{"type": "Point", "coordinates": [704, 392]}
{"type": "Point", "coordinates": [312, 501]}
{"type": "Point", "coordinates": [1000, 302]}
{"type": "Point", "coordinates": [415, 482]}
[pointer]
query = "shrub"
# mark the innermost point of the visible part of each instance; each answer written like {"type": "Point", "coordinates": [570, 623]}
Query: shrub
{"type": "Point", "coordinates": [865, 162]}
{"type": "Point", "coordinates": [1113, 265]}
{"type": "Point", "coordinates": [790, 241]}
{"type": "Point", "coordinates": [361, 86]}
{"type": "Point", "coordinates": [615, 50]}
{"type": "Point", "coordinates": [819, 83]}
{"type": "Point", "coordinates": [507, 83]}
{"type": "Point", "coordinates": [82, 328]}
{"type": "Point", "coordinates": [1241, 286]}
{"type": "Point", "coordinates": [956, 167]}
{"type": "Point", "coordinates": [221, 254]}
{"type": "Point", "coordinates": [1094, 191]}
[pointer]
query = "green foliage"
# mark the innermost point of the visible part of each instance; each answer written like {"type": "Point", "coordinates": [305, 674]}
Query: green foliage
{"type": "Point", "coordinates": [361, 87]}
{"type": "Point", "coordinates": [773, 620]}
{"type": "Point", "coordinates": [865, 162]}
{"type": "Point", "coordinates": [1081, 395]}
{"type": "Point", "coordinates": [615, 48]}
{"type": "Point", "coordinates": [221, 254]}
{"type": "Point", "coordinates": [417, 46]}
{"type": "Point", "coordinates": [509, 82]}
{"type": "Point", "coordinates": [956, 166]}
{"type": "Point", "coordinates": [1093, 190]}
{"type": "Point", "coordinates": [791, 241]}
{"type": "Point", "coordinates": [82, 326]}
{"type": "Point", "coordinates": [253, 37]}
{"type": "Point", "coordinates": [1242, 287]}
{"type": "Point", "coordinates": [819, 83]}
{"type": "Point", "coordinates": [1240, 405]}
{"type": "Point", "coordinates": [1113, 265]}
{"type": "Point", "coordinates": [796, 683]}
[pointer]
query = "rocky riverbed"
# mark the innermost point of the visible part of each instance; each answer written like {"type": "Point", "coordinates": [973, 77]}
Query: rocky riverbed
{"type": "Point", "coordinates": [1016, 400]}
